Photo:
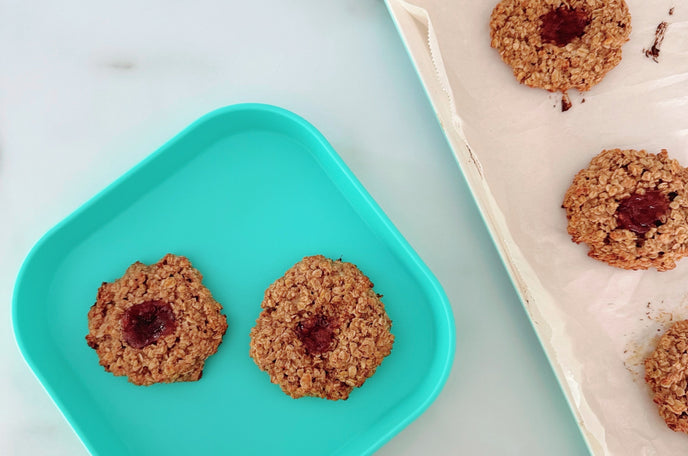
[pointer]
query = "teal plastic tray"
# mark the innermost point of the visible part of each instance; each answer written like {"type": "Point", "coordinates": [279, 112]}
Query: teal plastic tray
{"type": "Point", "coordinates": [244, 192]}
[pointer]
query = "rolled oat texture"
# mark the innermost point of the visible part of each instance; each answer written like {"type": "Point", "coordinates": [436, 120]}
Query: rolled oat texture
{"type": "Point", "coordinates": [666, 373]}
{"type": "Point", "coordinates": [165, 307]}
{"type": "Point", "coordinates": [593, 200]}
{"type": "Point", "coordinates": [515, 32]}
{"type": "Point", "coordinates": [323, 330]}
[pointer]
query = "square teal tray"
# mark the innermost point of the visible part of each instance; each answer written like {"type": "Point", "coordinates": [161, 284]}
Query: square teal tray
{"type": "Point", "coordinates": [244, 192]}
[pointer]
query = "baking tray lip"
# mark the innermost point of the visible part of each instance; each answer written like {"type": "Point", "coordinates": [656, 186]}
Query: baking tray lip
{"type": "Point", "coordinates": [443, 316]}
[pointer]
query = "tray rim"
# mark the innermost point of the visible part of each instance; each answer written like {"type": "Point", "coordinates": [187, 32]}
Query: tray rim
{"type": "Point", "coordinates": [443, 317]}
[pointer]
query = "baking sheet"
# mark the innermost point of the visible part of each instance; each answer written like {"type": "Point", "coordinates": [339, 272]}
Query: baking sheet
{"type": "Point", "coordinates": [519, 153]}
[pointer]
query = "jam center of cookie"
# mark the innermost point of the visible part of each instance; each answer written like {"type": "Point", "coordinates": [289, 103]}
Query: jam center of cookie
{"type": "Point", "coordinates": [143, 324]}
{"type": "Point", "coordinates": [639, 213]}
{"type": "Point", "coordinates": [560, 26]}
{"type": "Point", "coordinates": [316, 333]}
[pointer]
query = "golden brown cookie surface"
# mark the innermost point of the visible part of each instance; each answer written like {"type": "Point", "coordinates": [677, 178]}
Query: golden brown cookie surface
{"type": "Point", "coordinates": [323, 330]}
{"type": "Point", "coordinates": [631, 208]}
{"type": "Point", "coordinates": [156, 323]}
{"type": "Point", "coordinates": [557, 45]}
{"type": "Point", "coordinates": [666, 373]}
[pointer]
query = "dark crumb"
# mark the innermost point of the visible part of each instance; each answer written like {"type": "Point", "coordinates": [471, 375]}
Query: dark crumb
{"type": "Point", "coordinates": [583, 101]}
{"type": "Point", "coordinates": [671, 11]}
{"type": "Point", "coordinates": [653, 52]}
{"type": "Point", "coordinates": [565, 102]}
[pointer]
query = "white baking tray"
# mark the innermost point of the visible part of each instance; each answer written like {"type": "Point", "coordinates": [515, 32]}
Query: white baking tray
{"type": "Point", "coordinates": [519, 153]}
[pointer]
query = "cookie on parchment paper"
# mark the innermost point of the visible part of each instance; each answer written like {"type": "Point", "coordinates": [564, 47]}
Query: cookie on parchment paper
{"type": "Point", "coordinates": [559, 45]}
{"type": "Point", "coordinates": [631, 208]}
{"type": "Point", "coordinates": [157, 323]}
{"type": "Point", "coordinates": [323, 330]}
{"type": "Point", "coordinates": [666, 373]}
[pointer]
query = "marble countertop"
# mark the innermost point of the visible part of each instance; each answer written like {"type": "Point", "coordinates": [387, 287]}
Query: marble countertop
{"type": "Point", "coordinates": [88, 89]}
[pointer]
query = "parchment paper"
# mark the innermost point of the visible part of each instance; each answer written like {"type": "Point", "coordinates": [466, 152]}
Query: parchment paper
{"type": "Point", "coordinates": [519, 153]}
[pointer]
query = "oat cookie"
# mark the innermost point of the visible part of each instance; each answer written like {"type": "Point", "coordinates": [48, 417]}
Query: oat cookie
{"type": "Point", "coordinates": [630, 207]}
{"type": "Point", "coordinates": [558, 45]}
{"type": "Point", "coordinates": [666, 373]}
{"type": "Point", "coordinates": [322, 331]}
{"type": "Point", "coordinates": [156, 323]}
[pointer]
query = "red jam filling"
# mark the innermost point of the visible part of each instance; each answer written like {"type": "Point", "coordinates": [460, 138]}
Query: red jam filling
{"type": "Point", "coordinates": [560, 26]}
{"type": "Point", "coordinates": [639, 213]}
{"type": "Point", "coordinates": [143, 324]}
{"type": "Point", "coordinates": [316, 333]}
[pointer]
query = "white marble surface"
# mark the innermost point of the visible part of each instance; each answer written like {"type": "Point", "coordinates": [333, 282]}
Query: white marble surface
{"type": "Point", "coordinates": [87, 89]}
